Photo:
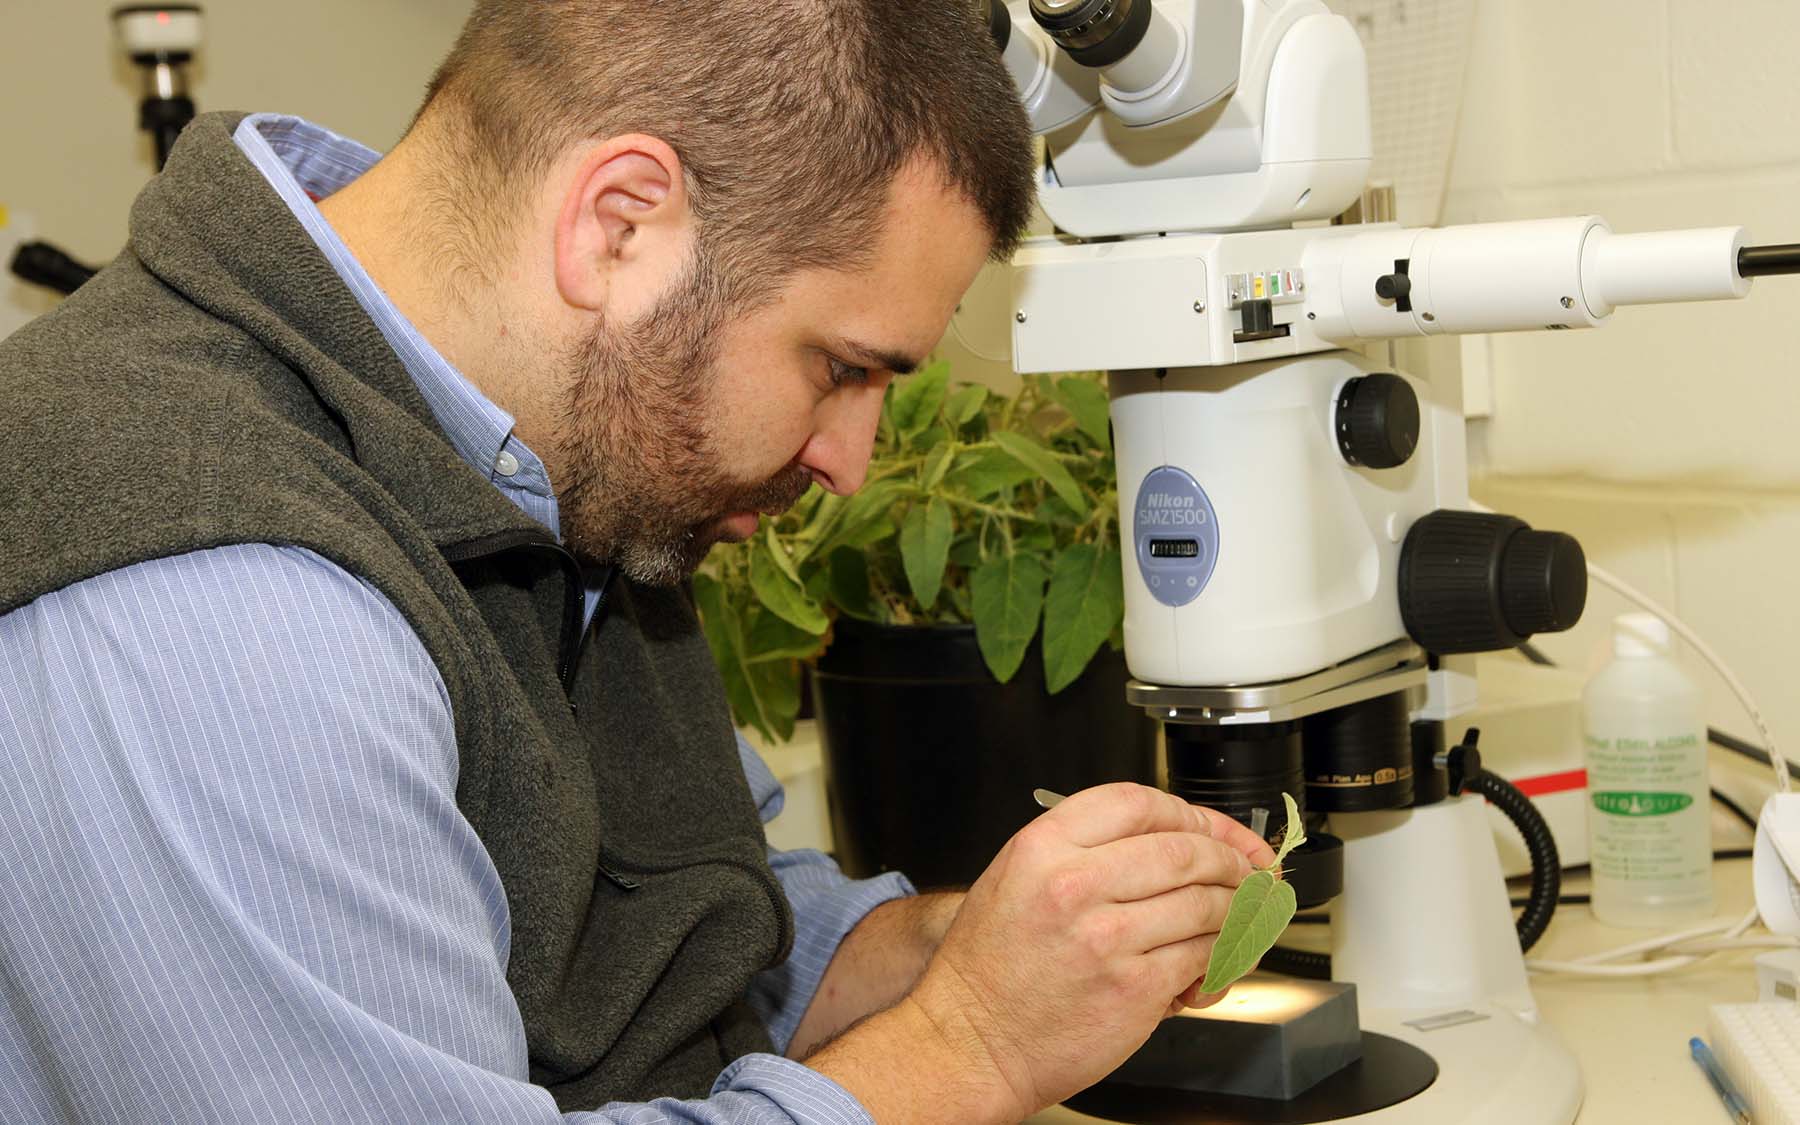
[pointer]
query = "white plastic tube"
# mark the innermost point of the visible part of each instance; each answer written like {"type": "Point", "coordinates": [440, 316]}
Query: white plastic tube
{"type": "Point", "coordinates": [1660, 267]}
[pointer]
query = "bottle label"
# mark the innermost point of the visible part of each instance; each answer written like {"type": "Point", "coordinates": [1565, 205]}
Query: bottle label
{"type": "Point", "coordinates": [1648, 824]}
{"type": "Point", "coordinates": [1641, 804]}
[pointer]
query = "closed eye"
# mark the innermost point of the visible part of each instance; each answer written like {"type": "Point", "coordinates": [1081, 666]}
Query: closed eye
{"type": "Point", "coordinates": [842, 373]}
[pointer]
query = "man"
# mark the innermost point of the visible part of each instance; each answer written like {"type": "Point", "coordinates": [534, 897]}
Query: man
{"type": "Point", "coordinates": [362, 759]}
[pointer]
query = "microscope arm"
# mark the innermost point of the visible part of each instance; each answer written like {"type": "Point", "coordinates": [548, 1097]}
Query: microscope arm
{"type": "Point", "coordinates": [1504, 277]}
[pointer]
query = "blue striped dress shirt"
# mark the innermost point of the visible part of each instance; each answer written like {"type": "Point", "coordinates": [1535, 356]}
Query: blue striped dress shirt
{"type": "Point", "coordinates": [241, 887]}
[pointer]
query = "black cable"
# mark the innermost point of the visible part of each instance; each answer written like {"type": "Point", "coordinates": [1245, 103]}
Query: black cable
{"type": "Point", "coordinates": [1748, 749]}
{"type": "Point", "coordinates": [1735, 809]}
{"type": "Point", "coordinates": [1540, 905]}
{"type": "Point", "coordinates": [1760, 261]}
{"type": "Point", "coordinates": [1536, 655]}
{"type": "Point", "coordinates": [1540, 844]}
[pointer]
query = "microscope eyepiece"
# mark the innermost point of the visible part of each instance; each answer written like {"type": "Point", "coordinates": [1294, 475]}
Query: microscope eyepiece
{"type": "Point", "coordinates": [1095, 33]}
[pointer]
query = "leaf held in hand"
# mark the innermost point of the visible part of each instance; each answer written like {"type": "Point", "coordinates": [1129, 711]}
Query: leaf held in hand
{"type": "Point", "coordinates": [1294, 834]}
{"type": "Point", "coordinates": [1260, 910]}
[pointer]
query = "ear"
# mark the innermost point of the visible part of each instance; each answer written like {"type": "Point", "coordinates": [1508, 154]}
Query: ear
{"type": "Point", "coordinates": [624, 212]}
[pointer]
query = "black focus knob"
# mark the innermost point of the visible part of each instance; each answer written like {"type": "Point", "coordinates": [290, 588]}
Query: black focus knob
{"type": "Point", "coordinates": [1377, 421]}
{"type": "Point", "coordinates": [1393, 286]}
{"type": "Point", "coordinates": [1475, 582]}
{"type": "Point", "coordinates": [1543, 582]}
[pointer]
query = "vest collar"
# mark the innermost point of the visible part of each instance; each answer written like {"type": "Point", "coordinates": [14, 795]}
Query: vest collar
{"type": "Point", "coordinates": [211, 228]}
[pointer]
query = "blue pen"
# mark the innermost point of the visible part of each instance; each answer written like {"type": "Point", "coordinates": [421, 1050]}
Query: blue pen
{"type": "Point", "coordinates": [1734, 1101]}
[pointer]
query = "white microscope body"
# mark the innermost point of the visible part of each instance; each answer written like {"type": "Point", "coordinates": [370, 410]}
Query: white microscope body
{"type": "Point", "coordinates": [1295, 518]}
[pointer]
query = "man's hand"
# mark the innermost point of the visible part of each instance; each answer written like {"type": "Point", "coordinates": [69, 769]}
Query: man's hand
{"type": "Point", "coordinates": [878, 962]}
{"type": "Point", "coordinates": [1092, 924]}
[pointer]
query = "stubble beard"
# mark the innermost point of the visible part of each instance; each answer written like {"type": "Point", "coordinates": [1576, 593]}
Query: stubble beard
{"type": "Point", "coordinates": [641, 486]}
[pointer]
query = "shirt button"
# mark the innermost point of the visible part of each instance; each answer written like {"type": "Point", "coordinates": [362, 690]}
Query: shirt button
{"type": "Point", "coordinates": [506, 464]}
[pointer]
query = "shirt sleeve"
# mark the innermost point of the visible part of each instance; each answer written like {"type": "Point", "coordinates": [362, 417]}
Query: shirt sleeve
{"type": "Point", "coordinates": [827, 906]}
{"type": "Point", "coordinates": [242, 888]}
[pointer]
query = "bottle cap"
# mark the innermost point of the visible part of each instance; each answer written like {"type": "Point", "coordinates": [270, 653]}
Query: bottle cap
{"type": "Point", "coordinates": [1640, 635]}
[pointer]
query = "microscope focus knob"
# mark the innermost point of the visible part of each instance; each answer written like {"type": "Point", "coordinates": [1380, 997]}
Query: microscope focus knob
{"type": "Point", "coordinates": [1476, 582]}
{"type": "Point", "coordinates": [1377, 421]}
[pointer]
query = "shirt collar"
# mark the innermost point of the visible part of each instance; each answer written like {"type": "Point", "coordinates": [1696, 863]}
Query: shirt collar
{"type": "Point", "coordinates": [305, 163]}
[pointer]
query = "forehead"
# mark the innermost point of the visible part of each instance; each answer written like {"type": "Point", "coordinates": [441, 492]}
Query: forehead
{"type": "Point", "coordinates": [902, 292]}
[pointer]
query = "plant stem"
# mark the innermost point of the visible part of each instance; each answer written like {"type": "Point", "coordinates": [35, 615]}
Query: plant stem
{"type": "Point", "coordinates": [989, 509]}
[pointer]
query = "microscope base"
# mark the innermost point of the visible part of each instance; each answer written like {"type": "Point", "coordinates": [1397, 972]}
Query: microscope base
{"type": "Point", "coordinates": [1494, 1069]}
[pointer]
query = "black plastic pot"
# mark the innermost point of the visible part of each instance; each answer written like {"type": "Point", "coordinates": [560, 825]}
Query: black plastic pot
{"type": "Point", "coordinates": [930, 762]}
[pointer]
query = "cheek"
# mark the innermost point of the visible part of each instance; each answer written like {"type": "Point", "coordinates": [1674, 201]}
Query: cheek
{"type": "Point", "coordinates": [761, 432]}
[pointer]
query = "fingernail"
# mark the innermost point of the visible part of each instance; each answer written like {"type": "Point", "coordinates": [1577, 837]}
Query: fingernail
{"type": "Point", "coordinates": [1245, 867]}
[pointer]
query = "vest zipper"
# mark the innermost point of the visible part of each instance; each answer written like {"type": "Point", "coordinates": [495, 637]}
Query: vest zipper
{"type": "Point", "coordinates": [623, 882]}
{"type": "Point", "coordinates": [568, 647]}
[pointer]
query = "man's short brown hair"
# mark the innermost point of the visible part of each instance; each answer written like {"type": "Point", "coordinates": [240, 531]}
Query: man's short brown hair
{"type": "Point", "coordinates": [791, 117]}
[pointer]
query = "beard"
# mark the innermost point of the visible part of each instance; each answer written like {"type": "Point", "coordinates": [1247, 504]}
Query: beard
{"type": "Point", "coordinates": [641, 485]}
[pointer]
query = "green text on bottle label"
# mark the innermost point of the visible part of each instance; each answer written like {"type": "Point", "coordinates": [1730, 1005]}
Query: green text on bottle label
{"type": "Point", "coordinates": [1617, 803]}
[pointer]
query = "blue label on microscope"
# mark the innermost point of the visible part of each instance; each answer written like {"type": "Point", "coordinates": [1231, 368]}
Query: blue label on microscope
{"type": "Point", "coordinates": [1177, 536]}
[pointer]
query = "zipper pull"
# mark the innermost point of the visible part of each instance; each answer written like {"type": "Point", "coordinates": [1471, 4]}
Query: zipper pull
{"type": "Point", "coordinates": [623, 882]}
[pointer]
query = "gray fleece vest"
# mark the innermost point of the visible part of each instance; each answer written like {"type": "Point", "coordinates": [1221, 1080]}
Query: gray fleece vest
{"type": "Point", "coordinates": [218, 384]}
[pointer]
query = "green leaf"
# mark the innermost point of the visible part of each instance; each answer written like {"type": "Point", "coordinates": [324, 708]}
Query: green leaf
{"type": "Point", "coordinates": [937, 463]}
{"type": "Point", "coordinates": [1086, 402]}
{"type": "Point", "coordinates": [1085, 604]}
{"type": "Point", "coordinates": [925, 548]}
{"type": "Point", "coordinates": [723, 629]}
{"type": "Point", "coordinates": [778, 552]}
{"type": "Point", "coordinates": [1260, 910]}
{"type": "Point", "coordinates": [1053, 510]}
{"type": "Point", "coordinates": [916, 398]}
{"type": "Point", "coordinates": [1008, 596]}
{"type": "Point", "coordinates": [1041, 461]}
{"type": "Point", "coordinates": [871, 505]}
{"type": "Point", "coordinates": [964, 403]}
{"type": "Point", "coordinates": [771, 638]}
{"type": "Point", "coordinates": [965, 551]}
{"type": "Point", "coordinates": [1294, 834]}
{"type": "Point", "coordinates": [1034, 539]}
{"type": "Point", "coordinates": [987, 473]}
{"type": "Point", "coordinates": [782, 596]}
{"type": "Point", "coordinates": [849, 589]}
{"type": "Point", "coordinates": [870, 534]}
{"type": "Point", "coordinates": [777, 688]}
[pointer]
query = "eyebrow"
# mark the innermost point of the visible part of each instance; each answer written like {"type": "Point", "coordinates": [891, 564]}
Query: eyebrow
{"type": "Point", "coordinates": [881, 359]}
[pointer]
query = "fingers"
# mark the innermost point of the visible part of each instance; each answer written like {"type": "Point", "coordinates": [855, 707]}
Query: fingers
{"type": "Point", "coordinates": [1229, 831]}
{"type": "Point", "coordinates": [1144, 866]}
{"type": "Point", "coordinates": [1192, 997]}
{"type": "Point", "coordinates": [1112, 812]}
{"type": "Point", "coordinates": [1176, 964]}
{"type": "Point", "coordinates": [1169, 918]}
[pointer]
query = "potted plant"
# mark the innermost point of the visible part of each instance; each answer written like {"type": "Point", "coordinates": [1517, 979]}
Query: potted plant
{"type": "Point", "coordinates": [961, 616]}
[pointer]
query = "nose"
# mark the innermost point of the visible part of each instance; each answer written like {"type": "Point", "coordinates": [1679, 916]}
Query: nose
{"type": "Point", "coordinates": [843, 437]}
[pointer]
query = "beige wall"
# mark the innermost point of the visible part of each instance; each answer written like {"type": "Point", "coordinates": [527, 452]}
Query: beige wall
{"type": "Point", "coordinates": [71, 155]}
{"type": "Point", "coordinates": [1667, 441]}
